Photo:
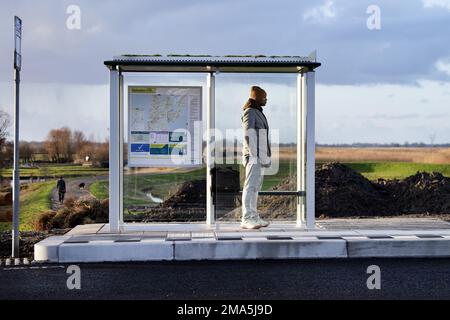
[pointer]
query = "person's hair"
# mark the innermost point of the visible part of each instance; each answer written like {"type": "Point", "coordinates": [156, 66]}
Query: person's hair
{"type": "Point", "coordinates": [257, 93]}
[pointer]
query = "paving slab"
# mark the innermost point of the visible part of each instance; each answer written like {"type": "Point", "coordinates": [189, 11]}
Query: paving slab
{"type": "Point", "coordinates": [183, 241]}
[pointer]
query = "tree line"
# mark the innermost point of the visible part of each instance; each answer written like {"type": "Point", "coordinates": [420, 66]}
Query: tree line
{"type": "Point", "coordinates": [62, 145]}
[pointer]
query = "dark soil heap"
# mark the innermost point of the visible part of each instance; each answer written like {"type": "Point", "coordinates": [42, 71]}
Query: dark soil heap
{"type": "Point", "coordinates": [422, 193]}
{"type": "Point", "coordinates": [27, 241]}
{"type": "Point", "coordinates": [187, 203]}
{"type": "Point", "coordinates": [341, 191]}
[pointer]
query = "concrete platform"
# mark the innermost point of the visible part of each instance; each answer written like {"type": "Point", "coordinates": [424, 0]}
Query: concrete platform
{"type": "Point", "coordinates": [179, 241]}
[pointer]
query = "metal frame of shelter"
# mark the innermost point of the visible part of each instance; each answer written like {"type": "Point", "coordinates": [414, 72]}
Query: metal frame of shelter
{"type": "Point", "coordinates": [211, 65]}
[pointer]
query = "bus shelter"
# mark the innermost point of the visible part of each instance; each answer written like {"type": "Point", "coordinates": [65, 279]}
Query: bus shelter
{"type": "Point", "coordinates": [303, 68]}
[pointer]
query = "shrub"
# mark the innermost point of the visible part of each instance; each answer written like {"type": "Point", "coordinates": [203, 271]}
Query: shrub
{"type": "Point", "coordinates": [73, 213]}
{"type": "Point", "coordinates": [44, 221]}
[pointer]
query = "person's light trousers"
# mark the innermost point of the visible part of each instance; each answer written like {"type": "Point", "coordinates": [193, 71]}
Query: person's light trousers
{"type": "Point", "coordinates": [254, 176]}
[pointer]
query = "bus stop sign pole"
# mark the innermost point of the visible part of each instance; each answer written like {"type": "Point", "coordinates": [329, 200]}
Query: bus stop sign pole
{"type": "Point", "coordinates": [16, 175]}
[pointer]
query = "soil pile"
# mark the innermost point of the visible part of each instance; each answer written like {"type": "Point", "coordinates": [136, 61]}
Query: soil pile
{"type": "Point", "coordinates": [187, 203]}
{"type": "Point", "coordinates": [422, 193]}
{"type": "Point", "coordinates": [343, 192]}
{"type": "Point", "coordinates": [340, 192]}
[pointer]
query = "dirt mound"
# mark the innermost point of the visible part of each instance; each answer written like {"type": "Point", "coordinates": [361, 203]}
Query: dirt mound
{"type": "Point", "coordinates": [188, 194]}
{"type": "Point", "coordinates": [187, 203]}
{"type": "Point", "coordinates": [6, 214]}
{"type": "Point", "coordinates": [423, 193]}
{"type": "Point", "coordinates": [6, 198]}
{"type": "Point", "coordinates": [171, 214]}
{"type": "Point", "coordinates": [27, 241]}
{"type": "Point", "coordinates": [342, 191]}
{"type": "Point", "coordinates": [276, 207]}
{"type": "Point", "coordinates": [272, 207]}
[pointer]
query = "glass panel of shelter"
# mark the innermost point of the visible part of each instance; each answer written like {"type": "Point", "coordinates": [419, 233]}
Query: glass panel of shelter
{"type": "Point", "coordinates": [232, 90]}
{"type": "Point", "coordinates": [160, 193]}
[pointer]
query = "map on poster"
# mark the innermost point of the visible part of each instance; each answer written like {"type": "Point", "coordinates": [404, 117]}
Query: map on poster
{"type": "Point", "coordinates": [164, 126]}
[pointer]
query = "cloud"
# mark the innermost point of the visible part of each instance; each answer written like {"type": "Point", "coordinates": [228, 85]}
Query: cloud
{"type": "Point", "coordinates": [394, 116]}
{"type": "Point", "coordinates": [45, 106]}
{"type": "Point", "coordinates": [400, 70]}
{"type": "Point", "coordinates": [437, 4]}
{"type": "Point", "coordinates": [344, 113]}
{"type": "Point", "coordinates": [321, 14]}
{"type": "Point", "coordinates": [338, 31]}
{"type": "Point", "coordinates": [437, 115]}
{"type": "Point", "coordinates": [443, 66]}
{"type": "Point", "coordinates": [369, 113]}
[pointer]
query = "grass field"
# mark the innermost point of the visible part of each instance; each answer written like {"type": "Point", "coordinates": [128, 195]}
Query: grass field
{"type": "Point", "coordinates": [395, 170]}
{"type": "Point", "coordinates": [34, 200]}
{"type": "Point", "coordinates": [437, 155]}
{"type": "Point", "coordinates": [56, 170]}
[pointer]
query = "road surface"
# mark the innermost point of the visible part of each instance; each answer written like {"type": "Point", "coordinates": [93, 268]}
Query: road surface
{"type": "Point", "coordinates": [307, 279]}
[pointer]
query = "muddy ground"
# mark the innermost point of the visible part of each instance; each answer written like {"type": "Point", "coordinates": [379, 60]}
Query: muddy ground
{"type": "Point", "coordinates": [27, 241]}
{"type": "Point", "coordinates": [340, 192]}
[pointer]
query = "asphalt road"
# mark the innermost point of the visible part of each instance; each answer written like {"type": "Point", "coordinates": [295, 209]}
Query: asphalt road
{"type": "Point", "coordinates": [287, 279]}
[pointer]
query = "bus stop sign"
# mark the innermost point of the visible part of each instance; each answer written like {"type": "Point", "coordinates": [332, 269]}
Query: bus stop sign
{"type": "Point", "coordinates": [17, 43]}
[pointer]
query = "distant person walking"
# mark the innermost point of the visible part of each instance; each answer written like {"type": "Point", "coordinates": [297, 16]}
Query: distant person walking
{"type": "Point", "coordinates": [256, 156]}
{"type": "Point", "coordinates": [61, 187]}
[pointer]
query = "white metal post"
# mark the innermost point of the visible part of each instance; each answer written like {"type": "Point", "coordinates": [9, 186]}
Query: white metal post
{"type": "Point", "coordinates": [309, 100]}
{"type": "Point", "coordinates": [210, 143]}
{"type": "Point", "coordinates": [114, 151]}
{"type": "Point", "coordinates": [301, 219]}
{"type": "Point", "coordinates": [121, 143]}
{"type": "Point", "coordinates": [16, 165]}
{"type": "Point", "coordinates": [16, 168]}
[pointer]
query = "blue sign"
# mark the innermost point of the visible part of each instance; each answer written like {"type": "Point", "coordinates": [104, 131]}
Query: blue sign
{"type": "Point", "coordinates": [140, 147]}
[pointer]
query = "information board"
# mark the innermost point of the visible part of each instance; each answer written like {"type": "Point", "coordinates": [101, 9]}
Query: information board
{"type": "Point", "coordinates": [164, 126]}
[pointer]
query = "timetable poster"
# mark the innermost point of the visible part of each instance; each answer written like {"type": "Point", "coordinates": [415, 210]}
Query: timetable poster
{"type": "Point", "coordinates": [164, 126]}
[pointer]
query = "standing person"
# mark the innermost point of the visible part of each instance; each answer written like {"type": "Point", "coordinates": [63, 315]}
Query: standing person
{"type": "Point", "coordinates": [61, 187]}
{"type": "Point", "coordinates": [256, 156]}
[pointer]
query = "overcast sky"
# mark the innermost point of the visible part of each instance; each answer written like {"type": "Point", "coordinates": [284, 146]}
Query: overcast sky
{"type": "Point", "coordinates": [386, 85]}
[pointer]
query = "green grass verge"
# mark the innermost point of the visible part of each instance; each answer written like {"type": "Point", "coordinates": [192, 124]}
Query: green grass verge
{"type": "Point", "coordinates": [395, 170]}
{"type": "Point", "coordinates": [36, 199]}
{"type": "Point", "coordinates": [56, 170]}
{"type": "Point", "coordinates": [5, 226]}
{"type": "Point", "coordinates": [99, 189]}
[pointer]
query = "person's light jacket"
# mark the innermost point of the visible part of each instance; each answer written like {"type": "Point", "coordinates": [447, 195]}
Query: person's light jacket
{"type": "Point", "coordinates": [256, 145]}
